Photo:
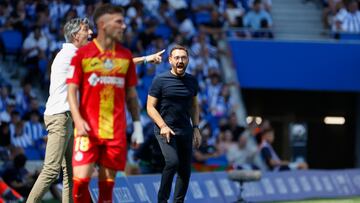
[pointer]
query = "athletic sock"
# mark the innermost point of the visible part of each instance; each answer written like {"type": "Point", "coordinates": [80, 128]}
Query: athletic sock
{"type": "Point", "coordinates": [105, 190]}
{"type": "Point", "coordinates": [81, 192]}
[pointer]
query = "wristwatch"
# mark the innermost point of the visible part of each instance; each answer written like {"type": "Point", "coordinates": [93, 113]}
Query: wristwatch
{"type": "Point", "coordinates": [196, 126]}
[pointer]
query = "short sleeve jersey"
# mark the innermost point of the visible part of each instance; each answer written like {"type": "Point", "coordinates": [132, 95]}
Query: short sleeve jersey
{"type": "Point", "coordinates": [174, 96]}
{"type": "Point", "coordinates": [102, 77]}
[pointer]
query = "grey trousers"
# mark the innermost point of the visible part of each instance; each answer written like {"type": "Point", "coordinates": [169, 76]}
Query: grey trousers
{"type": "Point", "coordinates": [177, 155]}
{"type": "Point", "coordinates": [58, 156]}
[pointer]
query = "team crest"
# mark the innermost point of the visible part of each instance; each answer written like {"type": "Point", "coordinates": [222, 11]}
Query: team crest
{"type": "Point", "coordinates": [108, 64]}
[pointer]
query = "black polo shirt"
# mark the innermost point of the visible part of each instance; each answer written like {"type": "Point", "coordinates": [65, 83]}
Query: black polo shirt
{"type": "Point", "coordinates": [174, 96]}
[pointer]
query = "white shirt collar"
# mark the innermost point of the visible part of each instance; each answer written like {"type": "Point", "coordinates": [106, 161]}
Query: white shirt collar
{"type": "Point", "coordinates": [70, 46]}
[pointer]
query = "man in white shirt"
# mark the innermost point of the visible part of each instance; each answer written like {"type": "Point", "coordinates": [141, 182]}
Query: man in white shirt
{"type": "Point", "coordinates": [57, 116]}
{"type": "Point", "coordinates": [58, 121]}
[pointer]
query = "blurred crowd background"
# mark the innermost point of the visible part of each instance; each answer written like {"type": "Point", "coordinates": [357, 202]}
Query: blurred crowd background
{"type": "Point", "coordinates": [31, 35]}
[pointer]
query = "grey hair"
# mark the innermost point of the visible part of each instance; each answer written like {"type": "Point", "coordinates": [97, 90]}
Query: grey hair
{"type": "Point", "coordinates": [73, 26]}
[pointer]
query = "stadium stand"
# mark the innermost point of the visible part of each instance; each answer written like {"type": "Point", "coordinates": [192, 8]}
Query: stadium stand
{"type": "Point", "coordinates": [151, 26]}
{"type": "Point", "coordinates": [33, 30]}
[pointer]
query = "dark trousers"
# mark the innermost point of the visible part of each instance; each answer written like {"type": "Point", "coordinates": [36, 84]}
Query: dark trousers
{"type": "Point", "coordinates": [177, 155]}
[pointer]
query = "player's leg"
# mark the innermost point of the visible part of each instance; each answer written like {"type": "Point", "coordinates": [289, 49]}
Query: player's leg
{"type": "Point", "coordinates": [68, 169]}
{"type": "Point", "coordinates": [81, 179]}
{"type": "Point", "coordinates": [55, 149]}
{"type": "Point", "coordinates": [169, 151]}
{"type": "Point", "coordinates": [106, 184]}
{"type": "Point", "coordinates": [112, 159]}
{"type": "Point", "coordinates": [184, 149]}
{"type": "Point", "coordinates": [85, 155]}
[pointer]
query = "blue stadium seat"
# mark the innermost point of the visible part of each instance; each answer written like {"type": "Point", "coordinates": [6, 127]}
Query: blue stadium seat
{"type": "Point", "coordinates": [12, 41]}
{"type": "Point", "coordinates": [163, 30]}
{"type": "Point", "coordinates": [202, 17]}
{"type": "Point", "coordinates": [32, 153]}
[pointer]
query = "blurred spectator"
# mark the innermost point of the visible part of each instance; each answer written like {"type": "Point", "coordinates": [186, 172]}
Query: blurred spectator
{"type": "Point", "coordinates": [212, 156]}
{"type": "Point", "coordinates": [208, 64]}
{"type": "Point", "coordinates": [256, 15]}
{"type": "Point", "coordinates": [224, 142]}
{"type": "Point", "coordinates": [134, 15]}
{"type": "Point", "coordinates": [18, 177]}
{"type": "Point", "coordinates": [235, 128]}
{"type": "Point", "coordinates": [30, 9]}
{"type": "Point", "coordinates": [264, 31]}
{"type": "Point", "coordinates": [213, 27]}
{"type": "Point", "coordinates": [241, 155]}
{"type": "Point", "coordinates": [23, 97]}
{"type": "Point", "coordinates": [36, 131]}
{"type": "Point", "coordinates": [265, 4]}
{"type": "Point", "coordinates": [34, 50]}
{"type": "Point", "coordinates": [34, 106]}
{"type": "Point", "coordinates": [3, 13]}
{"type": "Point", "coordinates": [177, 38]}
{"type": "Point", "coordinates": [17, 18]}
{"type": "Point", "coordinates": [331, 7]}
{"type": "Point", "coordinates": [206, 150]}
{"type": "Point", "coordinates": [265, 125]}
{"type": "Point", "coordinates": [348, 20]}
{"type": "Point", "coordinates": [130, 40]}
{"type": "Point", "coordinates": [19, 138]}
{"type": "Point", "coordinates": [15, 118]}
{"type": "Point", "coordinates": [157, 45]}
{"type": "Point", "coordinates": [57, 9]}
{"type": "Point", "coordinates": [78, 7]}
{"type": "Point", "coordinates": [226, 103]}
{"type": "Point", "coordinates": [178, 4]}
{"type": "Point", "coordinates": [269, 156]}
{"type": "Point", "coordinates": [43, 20]}
{"type": "Point", "coordinates": [185, 25]}
{"type": "Point", "coordinates": [202, 41]}
{"type": "Point", "coordinates": [121, 2]}
{"type": "Point", "coordinates": [233, 14]}
{"type": "Point", "coordinates": [4, 97]}
{"type": "Point", "coordinates": [70, 14]}
{"type": "Point", "coordinates": [213, 93]}
{"type": "Point", "coordinates": [5, 116]}
{"type": "Point", "coordinates": [202, 5]}
{"type": "Point", "coordinates": [166, 15]}
{"type": "Point", "coordinates": [145, 37]}
{"type": "Point", "coordinates": [5, 140]}
{"type": "Point", "coordinates": [152, 6]}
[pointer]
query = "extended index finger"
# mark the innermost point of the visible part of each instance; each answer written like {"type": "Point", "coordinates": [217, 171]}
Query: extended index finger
{"type": "Point", "coordinates": [160, 52]}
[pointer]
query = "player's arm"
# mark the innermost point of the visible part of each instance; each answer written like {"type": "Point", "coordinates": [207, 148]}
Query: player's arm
{"type": "Point", "coordinates": [195, 114]}
{"type": "Point", "coordinates": [134, 109]}
{"type": "Point", "coordinates": [156, 117]}
{"type": "Point", "coordinates": [153, 58]}
{"type": "Point", "coordinates": [153, 113]}
{"type": "Point", "coordinates": [80, 124]}
{"type": "Point", "coordinates": [132, 103]}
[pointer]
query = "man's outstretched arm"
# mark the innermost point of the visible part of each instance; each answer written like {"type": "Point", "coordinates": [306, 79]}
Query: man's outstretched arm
{"type": "Point", "coordinates": [153, 58]}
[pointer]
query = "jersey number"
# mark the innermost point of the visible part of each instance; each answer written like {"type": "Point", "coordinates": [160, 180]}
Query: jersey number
{"type": "Point", "coordinates": [82, 144]}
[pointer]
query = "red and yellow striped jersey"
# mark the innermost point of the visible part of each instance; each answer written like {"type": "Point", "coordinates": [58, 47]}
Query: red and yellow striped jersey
{"type": "Point", "coordinates": [102, 78]}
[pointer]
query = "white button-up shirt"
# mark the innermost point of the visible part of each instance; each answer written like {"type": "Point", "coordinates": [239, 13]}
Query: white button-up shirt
{"type": "Point", "coordinates": [57, 101]}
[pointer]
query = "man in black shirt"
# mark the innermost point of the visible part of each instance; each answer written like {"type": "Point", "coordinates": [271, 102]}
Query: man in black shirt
{"type": "Point", "coordinates": [172, 103]}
